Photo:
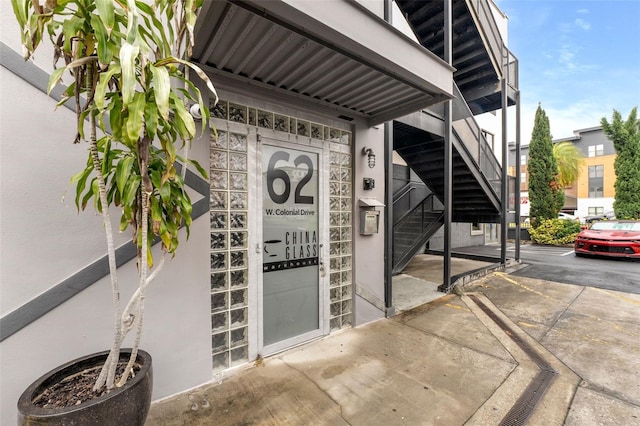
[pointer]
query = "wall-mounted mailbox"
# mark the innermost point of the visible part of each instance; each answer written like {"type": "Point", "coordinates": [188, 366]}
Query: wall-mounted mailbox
{"type": "Point", "coordinates": [369, 216]}
{"type": "Point", "coordinates": [369, 222]}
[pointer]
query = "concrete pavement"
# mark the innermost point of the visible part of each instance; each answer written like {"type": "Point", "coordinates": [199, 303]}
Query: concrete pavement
{"type": "Point", "coordinates": [572, 351]}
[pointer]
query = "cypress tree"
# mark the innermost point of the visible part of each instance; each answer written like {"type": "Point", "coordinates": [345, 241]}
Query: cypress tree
{"type": "Point", "coordinates": [625, 136]}
{"type": "Point", "coordinates": [546, 196]}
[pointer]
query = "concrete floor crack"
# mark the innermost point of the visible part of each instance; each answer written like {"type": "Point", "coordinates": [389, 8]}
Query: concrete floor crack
{"type": "Point", "coordinates": [319, 388]}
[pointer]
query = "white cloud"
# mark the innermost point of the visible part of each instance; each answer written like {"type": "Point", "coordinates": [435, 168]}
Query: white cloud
{"type": "Point", "coordinates": [583, 24]}
{"type": "Point", "coordinates": [582, 11]}
{"type": "Point", "coordinates": [566, 56]}
{"type": "Point", "coordinates": [564, 120]}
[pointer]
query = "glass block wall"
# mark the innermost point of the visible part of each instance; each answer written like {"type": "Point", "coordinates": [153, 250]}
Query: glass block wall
{"type": "Point", "coordinates": [340, 236]}
{"type": "Point", "coordinates": [229, 214]}
{"type": "Point", "coordinates": [229, 203]}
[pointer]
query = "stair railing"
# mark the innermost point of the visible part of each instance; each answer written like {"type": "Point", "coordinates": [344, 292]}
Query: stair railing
{"type": "Point", "coordinates": [408, 197]}
{"type": "Point", "coordinates": [502, 58]}
{"type": "Point", "coordinates": [468, 132]}
{"type": "Point", "coordinates": [428, 215]}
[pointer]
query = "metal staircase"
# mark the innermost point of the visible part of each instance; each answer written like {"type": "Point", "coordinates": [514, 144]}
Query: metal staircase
{"type": "Point", "coordinates": [480, 56]}
{"type": "Point", "coordinates": [482, 61]}
{"type": "Point", "coordinates": [413, 225]}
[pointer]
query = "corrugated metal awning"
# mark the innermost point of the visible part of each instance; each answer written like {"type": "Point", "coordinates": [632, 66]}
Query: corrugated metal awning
{"type": "Point", "coordinates": [333, 54]}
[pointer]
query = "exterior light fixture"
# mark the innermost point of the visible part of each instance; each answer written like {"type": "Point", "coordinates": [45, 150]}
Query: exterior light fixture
{"type": "Point", "coordinates": [371, 157]}
{"type": "Point", "coordinates": [195, 112]}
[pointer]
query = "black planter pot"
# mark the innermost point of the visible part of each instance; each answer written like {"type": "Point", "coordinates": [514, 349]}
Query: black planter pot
{"type": "Point", "coordinates": [128, 405]}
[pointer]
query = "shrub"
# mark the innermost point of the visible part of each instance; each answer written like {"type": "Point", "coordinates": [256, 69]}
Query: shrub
{"type": "Point", "coordinates": [555, 232]}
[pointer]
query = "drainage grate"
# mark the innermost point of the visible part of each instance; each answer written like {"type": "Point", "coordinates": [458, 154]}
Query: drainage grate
{"type": "Point", "coordinates": [524, 406]}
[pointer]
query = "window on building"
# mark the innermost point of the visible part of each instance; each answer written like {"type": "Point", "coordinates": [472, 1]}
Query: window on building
{"type": "Point", "coordinates": [593, 211]}
{"type": "Point", "coordinates": [523, 159]}
{"type": "Point", "coordinates": [596, 150]}
{"type": "Point", "coordinates": [476, 229]}
{"type": "Point", "coordinates": [523, 177]}
{"type": "Point", "coordinates": [596, 181]}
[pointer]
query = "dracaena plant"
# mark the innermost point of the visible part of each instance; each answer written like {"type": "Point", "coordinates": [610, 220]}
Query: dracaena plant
{"type": "Point", "coordinates": [126, 65]}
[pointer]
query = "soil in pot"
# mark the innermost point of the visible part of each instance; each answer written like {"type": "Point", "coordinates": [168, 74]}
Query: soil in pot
{"type": "Point", "coordinates": [76, 388]}
{"type": "Point", "coordinates": [44, 401]}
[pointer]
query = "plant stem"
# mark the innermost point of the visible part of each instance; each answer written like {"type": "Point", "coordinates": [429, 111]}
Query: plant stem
{"type": "Point", "coordinates": [107, 373]}
{"type": "Point", "coordinates": [143, 260]}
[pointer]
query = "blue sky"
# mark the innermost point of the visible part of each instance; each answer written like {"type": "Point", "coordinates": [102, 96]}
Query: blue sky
{"type": "Point", "coordinates": [579, 59]}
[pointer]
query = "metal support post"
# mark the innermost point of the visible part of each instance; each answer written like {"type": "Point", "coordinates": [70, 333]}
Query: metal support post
{"type": "Point", "coordinates": [518, 173]}
{"type": "Point", "coordinates": [388, 202]}
{"type": "Point", "coordinates": [448, 153]}
{"type": "Point", "coordinates": [505, 178]}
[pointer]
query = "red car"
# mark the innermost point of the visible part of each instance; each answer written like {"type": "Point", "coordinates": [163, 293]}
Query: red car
{"type": "Point", "coordinates": [614, 238]}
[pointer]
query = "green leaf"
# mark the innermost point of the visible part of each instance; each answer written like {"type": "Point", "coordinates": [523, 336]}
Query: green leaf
{"type": "Point", "coordinates": [81, 120]}
{"type": "Point", "coordinates": [156, 209]}
{"type": "Point", "coordinates": [145, 8]}
{"type": "Point", "coordinates": [67, 94]}
{"type": "Point", "coordinates": [156, 177]}
{"type": "Point", "coordinates": [116, 117]}
{"type": "Point", "coordinates": [103, 83]}
{"type": "Point", "coordinates": [81, 62]}
{"type": "Point", "coordinates": [95, 193]}
{"type": "Point", "coordinates": [105, 141]}
{"type": "Point", "coordinates": [123, 171]}
{"type": "Point", "coordinates": [87, 196]}
{"type": "Point", "coordinates": [135, 120]}
{"type": "Point", "coordinates": [102, 35]}
{"type": "Point", "coordinates": [190, 19]}
{"type": "Point", "coordinates": [129, 196]}
{"type": "Point", "coordinates": [166, 239]}
{"type": "Point", "coordinates": [128, 55]}
{"type": "Point", "coordinates": [184, 120]}
{"type": "Point", "coordinates": [132, 22]}
{"type": "Point", "coordinates": [198, 95]}
{"type": "Point", "coordinates": [165, 192]}
{"type": "Point", "coordinates": [187, 208]}
{"type": "Point", "coordinates": [203, 76]}
{"type": "Point", "coordinates": [124, 222]}
{"type": "Point", "coordinates": [70, 28]}
{"type": "Point", "coordinates": [161, 89]}
{"type": "Point", "coordinates": [81, 183]}
{"type": "Point", "coordinates": [107, 13]}
{"type": "Point", "coordinates": [198, 167]}
{"type": "Point", "coordinates": [55, 77]}
{"type": "Point", "coordinates": [151, 119]}
{"type": "Point", "coordinates": [170, 149]}
{"type": "Point", "coordinates": [20, 10]}
{"type": "Point", "coordinates": [163, 44]}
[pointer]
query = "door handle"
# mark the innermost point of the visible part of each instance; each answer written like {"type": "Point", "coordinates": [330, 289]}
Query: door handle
{"type": "Point", "coordinates": [323, 269]}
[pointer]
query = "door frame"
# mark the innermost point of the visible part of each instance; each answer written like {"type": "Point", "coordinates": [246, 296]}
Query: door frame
{"type": "Point", "coordinates": [273, 138]}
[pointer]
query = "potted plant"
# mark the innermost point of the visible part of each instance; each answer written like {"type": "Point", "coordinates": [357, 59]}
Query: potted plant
{"type": "Point", "coordinates": [129, 79]}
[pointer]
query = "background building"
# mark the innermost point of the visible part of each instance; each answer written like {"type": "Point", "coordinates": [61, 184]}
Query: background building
{"type": "Point", "coordinates": [593, 192]}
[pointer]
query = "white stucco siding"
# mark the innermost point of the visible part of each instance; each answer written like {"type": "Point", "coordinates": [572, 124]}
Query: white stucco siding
{"type": "Point", "coordinates": [585, 203]}
{"type": "Point", "coordinates": [493, 123]}
{"type": "Point", "coordinates": [501, 20]}
{"type": "Point", "coordinates": [369, 249]}
{"type": "Point", "coordinates": [43, 237]}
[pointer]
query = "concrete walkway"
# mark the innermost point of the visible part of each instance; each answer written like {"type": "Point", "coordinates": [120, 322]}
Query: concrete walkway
{"type": "Point", "coordinates": [574, 352]}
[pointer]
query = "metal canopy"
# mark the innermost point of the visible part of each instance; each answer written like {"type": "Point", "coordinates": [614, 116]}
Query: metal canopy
{"type": "Point", "coordinates": [334, 55]}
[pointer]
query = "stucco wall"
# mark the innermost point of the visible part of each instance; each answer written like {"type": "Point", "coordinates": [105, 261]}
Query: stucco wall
{"type": "Point", "coordinates": [37, 162]}
{"type": "Point", "coordinates": [369, 249]}
{"type": "Point", "coordinates": [460, 237]}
